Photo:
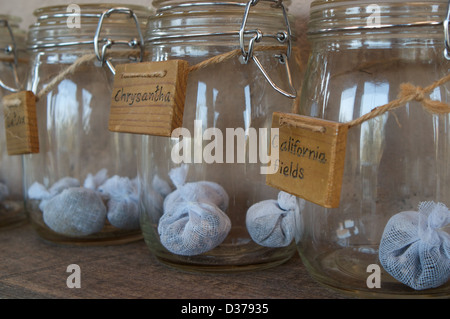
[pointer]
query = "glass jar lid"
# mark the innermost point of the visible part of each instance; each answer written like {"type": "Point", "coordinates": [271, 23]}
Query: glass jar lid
{"type": "Point", "coordinates": [228, 23]}
{"type": "Point", "coordinates": [365, 16]}
{"type": "Point", "coordinates": [56, 25]}
{"type": "Point", "coordinates": [166, 3]}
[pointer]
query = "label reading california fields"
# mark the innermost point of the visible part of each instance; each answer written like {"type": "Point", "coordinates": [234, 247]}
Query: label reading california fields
{"type": "Point", "coordinates": [311, 158]}
{"type": "Point", "coordinates": [148, 98]}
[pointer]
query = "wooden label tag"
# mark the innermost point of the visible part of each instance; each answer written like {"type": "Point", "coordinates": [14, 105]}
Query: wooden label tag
{"type": "Point", "coordinates": [148, 97]}
{"type": "Point", "coordinates": [311, 158]}
{"type": "Point", "coordinates": [20, 123]}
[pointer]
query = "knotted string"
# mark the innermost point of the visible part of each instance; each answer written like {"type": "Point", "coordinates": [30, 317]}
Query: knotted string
{"type": "Point", "coordinates": [408, 93]}
{"type": "Point", "coordinates": [64, 74]}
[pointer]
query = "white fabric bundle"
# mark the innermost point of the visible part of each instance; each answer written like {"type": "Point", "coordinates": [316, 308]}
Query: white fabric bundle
{"type": "Point", "coordinates": [62, 184]}
{"type": "Point", "coordinates": [122, 201]}
{"type": "Point", "coordinates": [76, 211]}
{"type": "Point", "coordinates": [94, 181]}
{"type": "Point", "coordinates": [192, 228]}
{"type": "Point", "coordinates": [119, 194]}
{"type": "Point", "coordinates": [194, 221]}
{"type": "Point", "coordinates": [413, 248]}
{"type": "Point", "coordinates": [275, 223]}
{"type": "Point", "coordinates": [39, 192]}
{"type": "Point", "coordinates": [69, 209]}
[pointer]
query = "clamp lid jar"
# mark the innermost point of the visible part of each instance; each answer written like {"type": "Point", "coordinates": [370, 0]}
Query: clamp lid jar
{"type": "Point", "coordinates": [379, 69]}
{"type": "Point", "coordinates": [200, 186]}
{"type": "Point", "coordinates": [13, 68]}
{"type": "Point", "coordinates": [81, 186]}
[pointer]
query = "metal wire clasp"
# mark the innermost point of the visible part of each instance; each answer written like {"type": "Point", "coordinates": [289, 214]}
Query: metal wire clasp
{"type": "Point", "coordinates": [447, 33]}
{"type": "Point", "coordinates": [11, 49]}
{"type": "Point", "coordinates": [101, 55]}
{"type": "Point", "coordinates": [282, 37]}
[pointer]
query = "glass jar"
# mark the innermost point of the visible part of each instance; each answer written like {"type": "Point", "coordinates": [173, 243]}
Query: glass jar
{"type": "Point", "coordinates": [13, 67]}
{"type": "Point", "coordinates": [81, 186]}
{"type": "Point", "coordinates": [361, 55]}
{"type": "Point", "coordinates": [196, 200]}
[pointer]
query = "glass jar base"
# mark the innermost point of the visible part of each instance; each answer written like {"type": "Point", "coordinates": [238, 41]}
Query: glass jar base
{"type": "Point", "coordinates": [222, 265]}
{"type": "Point", "coordinates": [346, 271]}
{"type": "Point", "coordinates": [98, 240]}
{"type": "Point", "coordinates": [108, 236]}
{"type": "Point", "coordinates": [12, 214]}
{"type": "Point", "coordinates": [226, 258]}
{"type": "Point", "coordinates": [237, 253]}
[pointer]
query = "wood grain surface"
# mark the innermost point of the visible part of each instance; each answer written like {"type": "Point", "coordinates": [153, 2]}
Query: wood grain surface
{"type": "Point", "coordinates": [31, 268]}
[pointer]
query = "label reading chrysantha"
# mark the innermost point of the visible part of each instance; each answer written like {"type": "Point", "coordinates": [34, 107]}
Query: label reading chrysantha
{"type": "Point", "coordinates": [148, 97]}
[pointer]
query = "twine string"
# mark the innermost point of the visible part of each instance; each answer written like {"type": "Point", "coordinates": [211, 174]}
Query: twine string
{"type": "Point", "coordinates": [91, 57]}
{"type": "Point", "coordinates": [293, 123]}
{"type": "Point", "coordinates": [408, 92]}
{"type": "Point", "coordinates": [64, 74]}
{"type": "Point", "coordinates": [10, 102]}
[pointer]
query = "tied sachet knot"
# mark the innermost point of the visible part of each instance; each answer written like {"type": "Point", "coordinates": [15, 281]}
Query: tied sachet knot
{"type": "Point", "coordinates": [414, 249]}
{"type": "Point", "coordinates": [417, 93]}
{"type": "Point", "coordinates": [194, 220]}
{"type": "Point", "coordinates": [275, 223]}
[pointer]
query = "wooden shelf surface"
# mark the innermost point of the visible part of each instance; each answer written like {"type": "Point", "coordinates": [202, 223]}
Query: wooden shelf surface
{"type": "Point", "coordinates": [31, 268]}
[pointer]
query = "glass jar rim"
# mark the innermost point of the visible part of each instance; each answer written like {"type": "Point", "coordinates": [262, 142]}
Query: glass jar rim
{"type": "Point", "coordinates": [202, 14]}
{"type": "Point", "coordinates": [162, 4]}
{"type": "Point", "coordinates": [94, 10]}
{"type": "Point", "coordinates": [51, 19]}
{"type": "Point", "coordinates": [347, 16]}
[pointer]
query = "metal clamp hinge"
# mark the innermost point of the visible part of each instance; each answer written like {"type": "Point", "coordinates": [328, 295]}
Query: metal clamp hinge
{"type": "Point", "coordinates": [282, 37]}
{"type": "Point", "coordinates": [447, 33]}
{"type": "Point", "coordinates": [11, 49]}
{"type": "Point", "coordinates": [136, 42]}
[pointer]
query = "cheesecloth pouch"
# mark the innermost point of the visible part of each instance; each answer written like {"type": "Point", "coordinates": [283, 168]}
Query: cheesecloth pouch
{"type": "Point", "coordinates": [94, 181]}
{"type": "Point", "coordinates": [413, 248]}
{"type": "Point", "coordinates": [75, 211]}
{"type": "Point", "coordinates": [200, 191]}
{"type": "Point", "coordinates": [121, 194]}
{"type": "Point", "coordinates": [275, 223]}
{"type": "Point", "coordinates": [193, 221]}
{"type": "Point", "coordinates": [38, 191]}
